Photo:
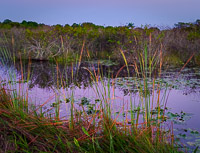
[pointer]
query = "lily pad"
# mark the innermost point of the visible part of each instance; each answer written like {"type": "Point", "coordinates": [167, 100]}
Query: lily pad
{"type": "Point", "coordinates": [85, 101]}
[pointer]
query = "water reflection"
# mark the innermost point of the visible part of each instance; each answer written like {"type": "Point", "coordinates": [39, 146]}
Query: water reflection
{"type": "Point", "coordinates": [181, 90]}
{"type": "Point", "coordinates": [46, 75]}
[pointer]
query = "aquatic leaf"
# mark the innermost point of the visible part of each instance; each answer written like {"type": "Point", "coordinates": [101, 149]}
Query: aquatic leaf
{"type": "Point", "coordinates": [195, 132]}
{"type": "Point", "coordinates": [182, 135]}
{"type": "Point", "coordinates": [67, 100]}
{"type": "Point", "coordinates": [191, 143]}
{"type": "Point", "coordinates": [178, 122]}
{"type": "Point", "coordinates": [90, 112]}
{"type": "Point", "coordinates": [97, 100]}
{"type": "Point", "coordinates": [185, 130]}
{"type": "Point", "coordinates": [85, 101]}
{"type": "Point", "coordinates": [90, 107]}
{"type": "Point", "coordinates": [197, 140]}
{"type": "Point", "coordinates": [54, 104]}
{"type": "Point", "coordinates": [172, 115]}
{"type": "Point", "coordinates": [177, 139]}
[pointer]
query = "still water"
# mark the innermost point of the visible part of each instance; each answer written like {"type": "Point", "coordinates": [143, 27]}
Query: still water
{"type": "Point", "coordinates": [88, 84]}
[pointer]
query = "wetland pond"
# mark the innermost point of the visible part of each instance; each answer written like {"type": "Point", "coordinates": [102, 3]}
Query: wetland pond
{"type": "Point", "coordinates": [52, 87]}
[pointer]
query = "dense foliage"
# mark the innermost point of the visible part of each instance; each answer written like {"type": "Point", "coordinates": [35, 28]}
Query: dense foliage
{"type": "Point", "coordinates": [43, 42]}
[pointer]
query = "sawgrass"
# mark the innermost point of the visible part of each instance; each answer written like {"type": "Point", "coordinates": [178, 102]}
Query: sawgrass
{"type": "Point", "coordinates": [23, 131]}
{"type": "Point", "coordinates": [30, 130]}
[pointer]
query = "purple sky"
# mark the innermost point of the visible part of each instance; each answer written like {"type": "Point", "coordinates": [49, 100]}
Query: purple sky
{"type": "Point", "coordinates": [101, 12]}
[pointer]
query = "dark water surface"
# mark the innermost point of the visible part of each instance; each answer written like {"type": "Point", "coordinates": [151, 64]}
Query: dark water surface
{"type": "Point", "coordinates": [179, 92]}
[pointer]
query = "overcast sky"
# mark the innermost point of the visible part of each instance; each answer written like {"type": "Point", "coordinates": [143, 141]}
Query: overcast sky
{"type": "Point", "coordinates": [101, 12]}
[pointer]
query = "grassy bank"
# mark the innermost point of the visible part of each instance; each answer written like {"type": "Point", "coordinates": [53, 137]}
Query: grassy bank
{"type": "Point", "coordinates": [24, 130]}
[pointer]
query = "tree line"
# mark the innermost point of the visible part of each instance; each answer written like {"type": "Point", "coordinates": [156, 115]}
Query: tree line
{"type": "Point", "coordinates": [44, 42]}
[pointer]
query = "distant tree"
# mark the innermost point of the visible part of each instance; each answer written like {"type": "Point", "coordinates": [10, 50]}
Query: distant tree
{"type": "Point", "coordinates": [7, 21]}
{"type": "Point", "coordinates": [15, 24]}
{"type": "Point", "coordinates": [58, 25]}
{"type": "Point", "coordinates": [32, 24]}
{"type": "Point", "coordinates": [75, 25]}
{"type": "Point", "coordinates": [66, 25]}
{"type": "Point", "coordinates": [131, 25]}
{"type": "Point", "coordinates": [41, 24]}
{"type": "Point", "coordinates": [197, 22]}
{"type": "Point", "coordinates": [88, 25]}
{"type": "Point", "coordinates": [182, 25]}
{"type": "Point", "coordinates": [29, 24]}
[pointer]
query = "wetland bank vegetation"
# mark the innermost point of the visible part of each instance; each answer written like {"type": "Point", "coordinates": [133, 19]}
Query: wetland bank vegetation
{"type": "Point", "coordinates": [85, 67]}
{"type": "Point", "coordinates": [65, 43]}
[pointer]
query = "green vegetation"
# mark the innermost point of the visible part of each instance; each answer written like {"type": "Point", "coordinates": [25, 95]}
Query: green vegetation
{"type": "Point", "coordinates": [92, 129]}
{"type": "Point", "coordinates": [25, 132]}
{"type": "Point", "coordinates": [197, 59]}
{"type": "Point", "coordinates": [25, 129]}
{"type": "Point", "coordinates": [91, 125]}
{"type": "Point", "coordinates": [64, 43]}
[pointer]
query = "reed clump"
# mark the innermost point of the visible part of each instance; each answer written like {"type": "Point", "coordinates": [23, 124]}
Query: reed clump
{"type": "Point", "coordinates": [23, 131]}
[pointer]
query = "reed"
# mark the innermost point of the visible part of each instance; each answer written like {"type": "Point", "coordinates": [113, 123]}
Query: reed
{"type": "Point", "coordinates": [31, 130]}
{"type": "Point", "coordinates": [22, 131]}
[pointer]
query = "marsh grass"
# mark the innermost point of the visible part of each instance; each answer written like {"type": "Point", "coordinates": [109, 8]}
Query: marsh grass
{"type": "Point", "coordinates": [26, 132]}
{"type": "Point", "coordinates": [30, 130]}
